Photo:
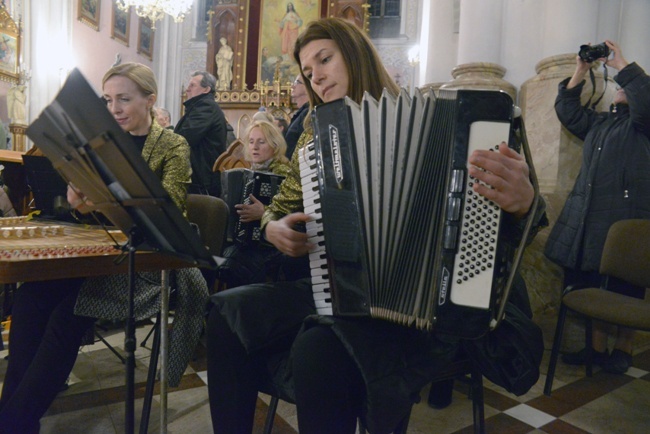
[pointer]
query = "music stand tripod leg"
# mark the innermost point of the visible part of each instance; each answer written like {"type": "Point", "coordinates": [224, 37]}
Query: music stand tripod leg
{"type": "Point", "coordinates": [164, 347]}
{"type": "Point", "coordinates": [129, 344]}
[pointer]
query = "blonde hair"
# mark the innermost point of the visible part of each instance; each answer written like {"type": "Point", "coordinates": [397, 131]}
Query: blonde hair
{"type": "Point", "coordinates": [273, 137]}
{"type": "Point", "coordinates": [263, 116]}
{"type": "Point", "coordinates": [138, 73]}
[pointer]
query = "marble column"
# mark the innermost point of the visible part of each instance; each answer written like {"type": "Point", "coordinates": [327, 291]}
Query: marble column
{"type": "Point", "coordinates": [18, 137]}
{"type": "Point", "coordinates": [480, 75]}
{"type": "Point", "coordinates": [480, 31]}
{"type": "Point", "coordinates": [438, 41]}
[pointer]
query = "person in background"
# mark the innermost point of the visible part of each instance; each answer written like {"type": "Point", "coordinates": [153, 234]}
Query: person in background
{"type": "Point", "coordinates": [164, 118]}
{"type": "Point", "coordinates": [204, 127]}
{"type": "Point", "coordinates": [338, 368]}
{"type": "Point", "coordinates": [263, 115]}
{"type": "Point", "coordinates": [256, 262]}
{"type": "Point", "coordinates": [49, 318]}
{"type": "Point", "coordinates": [301, 100]}
{"type": "Point", "coordinates": [6, 207]}
{"type": "Point", "coordinates": [281, 123]}
{"type": "Point", "coordinates": [613, 184]}
{"type": "Point", "coordinates": [230, 135]}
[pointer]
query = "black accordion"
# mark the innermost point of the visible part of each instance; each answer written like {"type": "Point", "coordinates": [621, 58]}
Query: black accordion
{"type": "Point", "coordinates": [237, 186]}
{"type": "Point", "coordinates": [399, 232]}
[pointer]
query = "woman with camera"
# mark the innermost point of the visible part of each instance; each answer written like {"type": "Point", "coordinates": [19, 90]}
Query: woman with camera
{"type": "Point", "coordinates": [613, 184]}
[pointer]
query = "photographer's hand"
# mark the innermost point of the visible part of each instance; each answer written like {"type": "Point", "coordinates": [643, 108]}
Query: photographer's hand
{"type": "Point", "coordinates": [581, 69]}
{"type": "Point", "coordinates": [617, 61]}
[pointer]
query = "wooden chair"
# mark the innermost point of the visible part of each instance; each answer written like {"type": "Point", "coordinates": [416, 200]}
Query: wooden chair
{"type": "Point", "coordinates": [244, 121]}
{"type": "Point", "coordinates": [465, 371]}
{"type": "Point", "coordinates": [231, 159]}
{"type": "Point", "coordinates": [277, 112]}
{"type": "Point", "coordinates": [626, 256]}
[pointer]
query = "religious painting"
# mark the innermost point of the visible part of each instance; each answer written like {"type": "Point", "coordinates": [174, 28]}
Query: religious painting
{"type": "Point", "coordinates": [280, 26]}
{"type": "Point", "coordinates": [8, 53]}
{"type": "Point", "coordinates": [9, 48]}
{"type": "Point", "coordinates": [121, 25]}
{"type": "Point", "coordinates": [88, 12]}
{"type": "Point", "coordinates": [145, 38]}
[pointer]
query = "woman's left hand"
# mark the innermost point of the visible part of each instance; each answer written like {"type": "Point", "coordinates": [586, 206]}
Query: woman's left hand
{"type": "Point", "coordinates": [251, 212]}
{"type": "Point", "coordinates": [507, 177]}
{"type": "Point", "coordinates": [77, 199]}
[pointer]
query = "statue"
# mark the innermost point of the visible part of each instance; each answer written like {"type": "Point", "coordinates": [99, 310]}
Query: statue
{"type": "Point", "coordinates": [16, 104]}
{"type": "Point", "coordinates": [224, 59]}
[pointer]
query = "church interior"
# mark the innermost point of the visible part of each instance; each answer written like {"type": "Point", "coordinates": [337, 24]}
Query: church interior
{"type": "Point", "coordinates": [521, 47]}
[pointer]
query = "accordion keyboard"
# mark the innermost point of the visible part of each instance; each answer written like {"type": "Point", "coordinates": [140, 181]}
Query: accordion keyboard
{"type": "Point", "coordinates": [314, 228]}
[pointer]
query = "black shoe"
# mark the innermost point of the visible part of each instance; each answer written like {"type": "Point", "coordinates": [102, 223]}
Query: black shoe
{"type": "Point", "coordinates": [618, 363]}
{"type": "Point", "coordinates": [580, 357]}
{"type": "Point", "coordinates": [440, 394]}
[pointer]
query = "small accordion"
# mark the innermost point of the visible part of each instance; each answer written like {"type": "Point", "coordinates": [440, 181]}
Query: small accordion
{"type": "Point", "coordinates": [237, 186]}
{"type": "Point", "coordinates": [399, 233]}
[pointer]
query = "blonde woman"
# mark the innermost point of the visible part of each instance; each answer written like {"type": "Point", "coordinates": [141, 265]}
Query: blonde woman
{"type": "Point", "coordinates": [265, 149]}
{"type": "Point", "coordinates": [49, 318]}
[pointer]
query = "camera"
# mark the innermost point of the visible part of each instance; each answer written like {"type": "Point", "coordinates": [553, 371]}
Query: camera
{"type": "Point", "coordinates": [590, 53]}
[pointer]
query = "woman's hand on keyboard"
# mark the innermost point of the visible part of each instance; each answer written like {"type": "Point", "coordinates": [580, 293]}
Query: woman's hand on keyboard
{"type": "Point", "coordinates": [250, 212]}
{"type": "Point", "coordinates": [283, 235]}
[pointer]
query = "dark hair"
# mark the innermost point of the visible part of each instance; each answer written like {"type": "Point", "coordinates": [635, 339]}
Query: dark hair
{"type": "Point", "coordinates": [282, 122]}
{"type": "Point", "coordinates": [364, 66]}
{"type": "Point", "coordinates": [207, 80]}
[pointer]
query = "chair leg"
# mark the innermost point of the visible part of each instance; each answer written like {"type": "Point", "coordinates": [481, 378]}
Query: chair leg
{"type": "Point", "coordinates": [270, 415]}
{"type": "Point", "coordinates": [589, 346]}
{"type": "Point", "coordinates": [555, 351]}
{"type": "Point", "coordinates": [110, 347]}
{"type": "Point", "coordinates": [151, 378]}
{"type": "Point", "coordinates": [478, 407]}
{"type": "Point", "coordinates": [146, 338]}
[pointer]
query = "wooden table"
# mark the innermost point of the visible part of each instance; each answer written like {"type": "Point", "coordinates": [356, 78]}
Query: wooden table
{"type": "Point", "coordinates": [36, 251]}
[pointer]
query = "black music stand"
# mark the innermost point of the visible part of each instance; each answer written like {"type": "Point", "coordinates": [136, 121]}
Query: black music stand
{"type": "Point", "coordinates": [90, 150]}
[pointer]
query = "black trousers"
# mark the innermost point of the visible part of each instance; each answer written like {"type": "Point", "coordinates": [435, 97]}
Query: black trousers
{"type": "Point", "coordinates": [249, 333]}
{"type": "Point", "coordinates": [44, 342]}
{"type": "Point", "coordinates": [328, 402]}
{"type": "Point", "coordinates": [329, 389]}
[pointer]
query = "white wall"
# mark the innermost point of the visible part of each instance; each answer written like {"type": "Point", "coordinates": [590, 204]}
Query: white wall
{"type": "Point", "coordinates": [517, 34]}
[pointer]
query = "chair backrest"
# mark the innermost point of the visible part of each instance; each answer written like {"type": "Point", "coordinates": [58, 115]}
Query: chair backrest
{"type": "Point", "coordinates": [210, 214]}
{"type": "Point", "coordinates": [626, 254]}
{"type": "Point", "coordinates": [233, 158]}
{"type": "Point", "coordinates": [244, 121]}
{"type": "Point", "coordinates": [277, 112]}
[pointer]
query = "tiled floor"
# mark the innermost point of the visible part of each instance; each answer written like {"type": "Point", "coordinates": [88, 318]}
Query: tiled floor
{"type": "Point", "coordinates": [605, 403]}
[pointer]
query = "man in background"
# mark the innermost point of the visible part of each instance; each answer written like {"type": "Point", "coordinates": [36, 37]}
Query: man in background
{"type": "Point", "coordinates": [301, 100]}
{"type": "Point", "coordinates": [164, 118]}
{"type": "Point", "coordinates": [204, 127]}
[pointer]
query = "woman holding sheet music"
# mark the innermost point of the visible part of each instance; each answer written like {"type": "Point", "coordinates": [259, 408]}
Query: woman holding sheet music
{"type": "Point", "coordinates": [335, 369]}
{"type": "Point", "coordinates": [50, 318]}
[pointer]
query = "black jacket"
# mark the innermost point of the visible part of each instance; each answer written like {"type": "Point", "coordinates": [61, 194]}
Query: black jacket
{"type": "Point", "coordinates": [614, 180]}
{"type": "Point", "coordinates": [295, 129]}
{"type": "Point", "coordinates": [204, 127]}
